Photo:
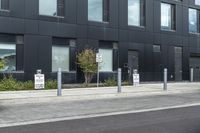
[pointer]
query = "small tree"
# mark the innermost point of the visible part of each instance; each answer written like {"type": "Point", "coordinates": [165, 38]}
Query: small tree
{"type": "Point", "coordinates": [87, 62]}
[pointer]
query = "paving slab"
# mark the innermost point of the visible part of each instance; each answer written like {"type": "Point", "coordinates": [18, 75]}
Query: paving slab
{"type": "Point", "coordinates": [93, 102]}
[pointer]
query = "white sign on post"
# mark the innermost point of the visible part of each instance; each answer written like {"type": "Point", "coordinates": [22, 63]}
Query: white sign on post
{"type": "Point", "coordinates": [39, 81]}
{"type": "Point", "coordinates": [99, 58]}
{"type": "Point", "coordinates": [136, 79]}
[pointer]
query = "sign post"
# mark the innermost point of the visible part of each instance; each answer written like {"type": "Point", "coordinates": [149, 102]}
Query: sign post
{"type": "Point", "coordinates": [39, 80]}
{"type": "Point", "coordinates": [99, 59]}
{"type": "Point", "coordinates": [119, 80]}
{"type": "Point", "coordinates": [59, 78]}
{"type": "Point", "coordinates": [165, 80]}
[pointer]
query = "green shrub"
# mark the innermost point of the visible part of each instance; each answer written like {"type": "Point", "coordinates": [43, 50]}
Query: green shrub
{"type": "Point", "coordinates": [10, 84]}
{"type": "Point", "coordinates": [51, 84]}
{"type": "Point", "coordinates": [110, 82]}
{"type": "Point", "coordinates": [127, 83]}
{"type": "Point", "coordinates": [28, 85]}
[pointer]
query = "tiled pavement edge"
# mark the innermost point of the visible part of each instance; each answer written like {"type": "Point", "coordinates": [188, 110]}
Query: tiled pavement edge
{"type": "Point", "coordinates": [20, 97]}
{"type": "Point", "coordinates": [17, 108]}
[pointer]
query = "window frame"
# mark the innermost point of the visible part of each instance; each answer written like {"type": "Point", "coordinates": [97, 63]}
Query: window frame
{"type": "Point", "coordinates": [68, 58]}
{"type": "Point", "coordinates": [15, 49]}
{"type": "Point", "coordinates": [173, 18]}
{"type": "Point", "coordinates": [111, 59]}
{"type": "Point", "coordinates": [8, 6]}
{"type": "Point", "coordinates": [197, 20]}
{"type": "Point", "coordinates": [105, 12]}
{"type": "Point", "coordinates": [58, 6]}
{"type": "Point", "coordinates": [142, 14]}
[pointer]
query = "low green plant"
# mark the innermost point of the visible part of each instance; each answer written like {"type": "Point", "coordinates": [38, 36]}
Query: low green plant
{"type": "Point", "coordinates": [10, 84]}
{"type": "Point", "coordinates": [111, 81]}
{"type": "Point", "coordinates": [51, 84]}
{"type": "Point", "coordinates": [126, 83]}
{"type": "Point", "coordinates": [28, 85]}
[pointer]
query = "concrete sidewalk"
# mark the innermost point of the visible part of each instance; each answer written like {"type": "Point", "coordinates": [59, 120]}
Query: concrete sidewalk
{"type": "Point", "coordinates": [20, 97]}
{"type": "Point", "coordinates": [17, 108]}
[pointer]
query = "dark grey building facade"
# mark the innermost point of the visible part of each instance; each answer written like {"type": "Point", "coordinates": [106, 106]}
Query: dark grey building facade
{"type": "Point", "coordinates": [35, 35]}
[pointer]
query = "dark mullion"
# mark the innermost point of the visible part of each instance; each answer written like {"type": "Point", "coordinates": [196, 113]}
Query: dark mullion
{"type": "Point", "coordinates": [5, 4]}
{"type": "Point", "coordinates": [106, 6]}
{"type": "Point", "coordinates": [173, 17]}
{"type": "Point", "coordinates": [198, 21]}
{"type": "Point", "coordinates": [142, 12]}
{"type": "Point", "coordinates": [60, 7]}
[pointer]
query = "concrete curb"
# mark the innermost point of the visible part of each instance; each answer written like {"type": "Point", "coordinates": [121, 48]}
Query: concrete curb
{"type": "Point", "coordinates": [55, 99]}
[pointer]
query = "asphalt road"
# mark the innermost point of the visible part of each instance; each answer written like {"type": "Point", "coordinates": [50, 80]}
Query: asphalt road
{"type": "Point", "coordinates": [181, 120]}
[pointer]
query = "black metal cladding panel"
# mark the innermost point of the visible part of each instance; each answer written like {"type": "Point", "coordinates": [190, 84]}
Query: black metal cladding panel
{"type": "Point", "coordinates": [44, 60]}
{"type": "Point", "coordinates": [31, 9]}
{"type": "Point", "coordinates": [34, 49]}
{"type": "Point", "coordinates": [185, 65]}
{"type": "Point", "coordinates": [123, 35]}
{"type": "Point", "coordinates": [30, 53]}
{"type": "Point", "coordinates": [149, 15]}
{"type": "Point", "coordinates": [156, 18]}
{"type": "Point", "coordinates": [114, 13]}
{"type": "Point", "coordinates": [57, 29]}
{"type": "Point", "coordinates": [185, 27]}
{"type": "Point", "coordinates": [123, 14]}
{"type": "Point", "coordinates": [11, 25]}
{"type": "Point", "coordinates": [102, 33]}
{"type": "Point", "coordinates": [194, 43]}
{"type": "Point", "coordinates": [31, 26]}
{"type": "Point", "coordinates": [169, 39]}
{"type": "Point", "coordinates": [82, 17]}
{"type": "Point", "coordinates": [20, 57]}
{"type": "Point", "coordinates": [140, 37]}
{"type": "Point", "coordinates": [81, 31]}
{"type": "Point", "coordinates": [17, 8]}
{"type": "Point", "coordinates": [71, 11]}
{"type": "Point", "coordinates": [179, 18]}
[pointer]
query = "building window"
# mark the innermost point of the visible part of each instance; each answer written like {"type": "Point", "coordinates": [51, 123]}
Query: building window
{"type": "Point", "coordinates": [51, 7]}
{"type": "Point", "coordinates": [98, 10]}
{"type": "Point", "coordinates": [197, 2]}
{"type": "Point", "coordinates": [60, 57]}
{"type": "Point", "coordinates": [107, 56]}
{"type": "Point", "coordinates": [168, 16]}
{"type": "Point", "coordinates": [8, 55]}
{"type": "Point", "coordinates": [4, 4]}
{"type": "Point", "coordinates": [193, 21]}
{"type": "Point", "coordinates": [136, 12]}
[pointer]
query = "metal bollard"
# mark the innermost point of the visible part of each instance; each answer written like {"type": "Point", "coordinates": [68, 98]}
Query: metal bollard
{"type": "Point", "coordinates": [165, 79]}
{"type": "Point", "coordinates": [191, 74]}
{"type": "Point", "coordinates": [59, 78]}
{"type": "Point", "coordinates": [119, 81]}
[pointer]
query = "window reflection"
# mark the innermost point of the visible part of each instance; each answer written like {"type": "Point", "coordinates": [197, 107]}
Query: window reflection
{"type": "Point", "coordinates": [60, 57]}
{"type": "Point", "coordinates": [166, 16]}
{"type": "Point", "coordinates": [134, 12]}
{"type": "Point", "coordinates": [197, 2]}
{"type": "Point", "coordinates": [107, 56]}
{"type": "Point", "coordinates": [48, 7]}
{"type": "Point", "coordinates": [95, 10]}
{"type": "Point", "coordinates": [193, 20]}
{"type": "Point", "coordinates": [8, 55]}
